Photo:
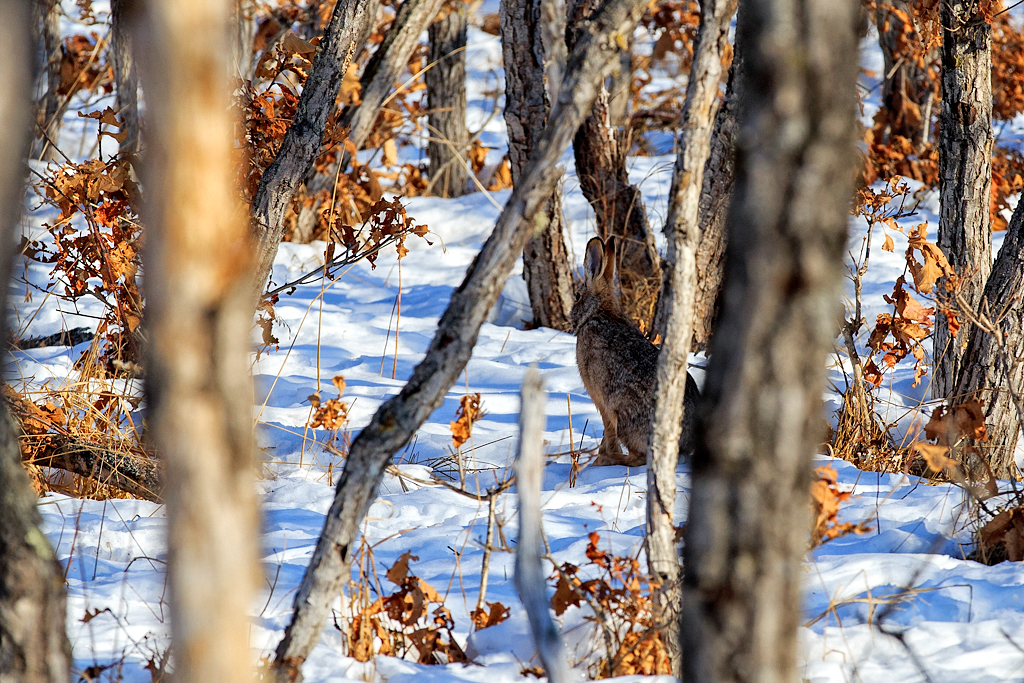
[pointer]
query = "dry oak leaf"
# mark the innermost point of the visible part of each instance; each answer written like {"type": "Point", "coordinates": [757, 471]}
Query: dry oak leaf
{"type": "Point", "coordinates": [935, 456]}
{"type": "Point", "coordinates": [1008, 528]}
{"type": "Point", "coordinates": [467, 413]}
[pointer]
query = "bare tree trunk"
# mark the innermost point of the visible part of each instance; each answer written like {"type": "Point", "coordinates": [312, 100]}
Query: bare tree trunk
{"type": "Point", "coordinates": [715, 197]}
{"type": "Point", "coordinates": [965, 171]}
{"type": "Point", "coordinates": [46, 26]}
{"type": "Point", "coordinates": [126, 80]}
{"type": "Point", "coordinates": [545, 258]}
{"type": "Point", "coordinates": [301, 143]}
{"type": "Point", "coordinates": [198, 388]}
{"type": "Point", "coordinates": [446, 99]}
{"type": "Point", "coordinates": [386, 64]}
{"type": "Point", "coordinates": [762, 419]}
{"type": "Point", "coordinates": [682, 234]}
{"type": "Point", "coordinates": [242, 29]}
{"type": "Point", "coordinates": [907, 90]}
{"type": "Point", "coordinates": [396, 420]}
{"type": "Point", "coordinates": [600, 152]}
{"type": "Point", "coordinates": [993, 370]}
{"type": "Point", "coordinates": [34, 646]}
{"type": "Point", "coordinates": [529, 578]}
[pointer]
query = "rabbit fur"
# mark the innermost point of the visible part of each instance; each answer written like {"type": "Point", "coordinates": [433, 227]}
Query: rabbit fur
{"type": "Point", "coordinates": [619, 365]}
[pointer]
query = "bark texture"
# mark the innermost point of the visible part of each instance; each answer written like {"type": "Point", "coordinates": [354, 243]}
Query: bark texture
{"type": "Point", "coordinates": [530, 575]}
{"type": "Point", "coordinates": [600, 151]}
{"type": "Point", "coordinates": [446, 100]}
{"type": "Point", "coordinates": [395, 422]}
{"type": "Point", "coordinates": [198, 389]}
{"type": "Point", "coordinates": [993, 371]}
{"type": "Point", "coordinates": [141, 477]}
{"type": "Point", "coordinates": [545, 258]}
{"type": "Point", "coordinates": [386, 65]}
{"type": "Point", "coordinates": [907, 89]}
{"type": "Point", "coordinates": [715, 196]}
{"type": "Point", "coordinates": [965, 171]}
{"type": "Point", "coordinates": [301, 143]}
{"type": "Point", "coordinates": [46, 27]}
{"type": "Point", "coordinates": [126, 80]}
{"type": "Point", "coordinates": [242, 29]}
{"type": "Point", "coordinates": [34, 647]}
{"type": "Point", "coordinates": [678, 288]}
{"type": "Point", "coordinates": [761, 423]}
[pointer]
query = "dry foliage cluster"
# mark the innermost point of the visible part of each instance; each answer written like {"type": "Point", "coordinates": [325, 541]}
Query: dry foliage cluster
{"type": "Point", "coordinates": [621, 603]}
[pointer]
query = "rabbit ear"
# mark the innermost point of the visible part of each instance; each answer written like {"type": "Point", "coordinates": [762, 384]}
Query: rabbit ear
{"type": "Point", "coordinates": [593, 263]}
{"type": "Point", "coordinates": [609, 260]}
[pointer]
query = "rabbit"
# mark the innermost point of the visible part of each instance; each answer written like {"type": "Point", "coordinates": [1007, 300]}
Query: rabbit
{"type": "Point", "coordinates": [618, 365]}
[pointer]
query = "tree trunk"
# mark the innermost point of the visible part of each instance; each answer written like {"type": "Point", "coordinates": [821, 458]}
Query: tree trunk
{"type": "Point", "coordinates": [446, 99]}
{"type": "Point", "coordinates": [242, 29]}
{"type": "Point", "coordinates": [600, 152]}
{"type": "Point", "coordinates": [545, 258]}
{"type": "Point", "coordinates": [677, 290]}
{"type": "Point", "coordinates": [34, 647]}
{"type": "Point", "coordinates": [198, 388]}
{"type": "Point", "coordinates": [395, 422]}
{"type": "Point", "coordinates": [715, 197]}
{"type": "Point", "coordinates": [965, 171]}
{"type": "Point", "coordinates": [529, 577]}
{"type": "Point", "coordinates": [386, 65]}
{"type": "Point", "coordinates": [126, 80]}
{"type": "Point", "coordinates": [907, 90]}
{"type": "Point", "coordinates": [762, 417]}
{"type": "Point", "coordinates": [46, 26]}
{"type": "Point", "coordinates": [993, 371]}
{"type": "Point", "coordinates": [301, 143]}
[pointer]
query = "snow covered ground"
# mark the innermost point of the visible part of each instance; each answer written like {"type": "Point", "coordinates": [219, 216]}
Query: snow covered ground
{"type": "Point", "coordinates": [954, 620]}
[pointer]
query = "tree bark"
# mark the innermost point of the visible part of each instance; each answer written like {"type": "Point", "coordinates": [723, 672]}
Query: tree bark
{"type": "Point", "coordinates": [965, 171]}
{"type": "Point", "coordinates": [126, 80]}
{"type": "Point", "coordinates": [529, 577]}
{"type": "Point", "coordinates": [395, 422]}
{"type": "Point", "coordinates": [386, 64]}
{"type": "Point", "coordinates": [992, 368]}
{"type": "Point", "coordinates": [906, 87]}
{"type": "Point", "coordinates": [242, 28]}
{"type": "Point", "coordinates": [34, 647]}
{"type": "Point", "coordinates": [762, 421]}
{"type": "Point", "coordinates": [600, 151]}
{"type": "Point", "coordinates": [198, 388]}
{"type": "Point", "coordinates": [446, 99]}
{"type": "Point", "coordinates": [301, 143]}
{"type": "Point", "coordinates": [678, 288]}
{"type": "Point", "coordinates": [141, 477]}
{"type": "Point", "coordinates": [545, 258]}
{"type": "Point", "coordinates": [715, 196]}
{"type": "Point", "coordinates": [46, 27]}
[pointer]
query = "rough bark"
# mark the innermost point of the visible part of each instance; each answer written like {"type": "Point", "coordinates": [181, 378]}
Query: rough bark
{"type": "Point", "coordinates": [242, 29]}
{"type": "Point", "coordinates": [907, 90]}
{"type": "Point", "coordinates": [965, 171]}
{"type": "Point", "coordinates": [715, 196]}
{"type": "Point", "coordinates": [141, 477]}
{"type": "Point", "coordinates": [678, 288]}
{"type": "Point", "coordinates": [545, 258]}
{"type": "Point", "coordinates": [301, 143]}
{"type": "Point", "coordinates": [386, 65]}
{"type": "Point", "coordinates": [600, 151]}
{"type": "Point", "coordinates": [34, 647]}
{"type": "Point", "coordinates": [762, 421]}
{"type": "Point", "coordinates": [993, 371]}
{"type": "Point", "coordinates": [198, 388]}
{"type": "Point", "coordinates": [46, 27]}
{"type": "Point", "coordinates": [395, 422]}
{"type": "Point", "coordinates": [530, 575]}
{"type": "Point", "coordinates": [126, 80]}
{"type": "Point", "coordinates": [446, 101]}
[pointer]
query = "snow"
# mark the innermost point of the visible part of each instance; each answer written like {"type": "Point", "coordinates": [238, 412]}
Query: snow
{"type": "Point", "coordinates": [956, 620]}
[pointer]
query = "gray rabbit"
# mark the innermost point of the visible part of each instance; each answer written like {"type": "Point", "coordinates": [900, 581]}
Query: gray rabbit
{"type": "Point", "coordinates": [619, 366]}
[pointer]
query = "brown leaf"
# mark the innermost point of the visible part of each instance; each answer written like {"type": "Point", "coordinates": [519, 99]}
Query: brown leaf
{"type": "Point", "coordinates": [294, 45]}
{"type": "Point", "coordinates": [400, 569]}
{"type": "Point", "coordinates": [888, 245]}
{"type": "Point", "coordinates": [935, 456]}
